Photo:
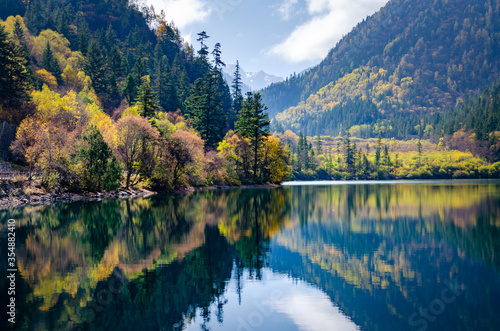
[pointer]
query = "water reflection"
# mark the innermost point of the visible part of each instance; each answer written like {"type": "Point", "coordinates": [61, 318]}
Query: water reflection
{"type": "Point", "coordinates": [370, 257]}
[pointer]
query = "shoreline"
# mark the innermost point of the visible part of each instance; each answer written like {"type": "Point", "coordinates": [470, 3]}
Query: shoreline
{"type": "Point", "coordinates": [12, 195]}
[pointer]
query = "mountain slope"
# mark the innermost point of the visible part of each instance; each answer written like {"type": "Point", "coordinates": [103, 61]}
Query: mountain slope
{"type": "Point", "coordinates": [411, 57]}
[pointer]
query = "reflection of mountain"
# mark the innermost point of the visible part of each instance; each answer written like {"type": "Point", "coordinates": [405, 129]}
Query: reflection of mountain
{"type": "Point", "coordinates": [380, 252]}
{"type": "Point", "coordinates": [382, 276]}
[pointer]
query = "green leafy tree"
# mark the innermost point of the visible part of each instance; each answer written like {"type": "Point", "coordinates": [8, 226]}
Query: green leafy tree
{"type": "Point", "coordinates": [101, 169]}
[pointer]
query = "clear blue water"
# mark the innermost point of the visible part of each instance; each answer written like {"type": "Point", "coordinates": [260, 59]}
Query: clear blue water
{"type": "Point", "coordinates": [309, 256]}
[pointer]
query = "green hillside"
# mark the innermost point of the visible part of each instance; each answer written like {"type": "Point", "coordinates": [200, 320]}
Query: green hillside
{"type": "Point", "coordinates": [409, 60]}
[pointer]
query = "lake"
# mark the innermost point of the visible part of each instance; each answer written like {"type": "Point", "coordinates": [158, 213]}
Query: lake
{"type": "Point", "coordinates": [307, 256]}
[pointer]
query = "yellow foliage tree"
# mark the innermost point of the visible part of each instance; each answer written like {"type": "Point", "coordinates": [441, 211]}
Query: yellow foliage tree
{"type": "Point", "coordinates": [58, 44]}
{"type": "Point", "coordinates": [70, 78]}
{"type": "Point", "coordinates": [27, 143]}
{"type": "Point", "coordinates": [10, 22]}
{"type": "Point", "coordinates": [99, 119]}
{"type": "Point", "coordinates": [50, 104]}
{"type": "Point", "coordinates": [46, 78]}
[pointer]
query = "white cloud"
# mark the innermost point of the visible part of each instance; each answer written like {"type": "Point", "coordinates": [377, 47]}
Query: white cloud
{"type": "Point", "coordinates": [285, 9]}
{"type": "Point", "coordinates": [183, 12]}
{"type": "Point", "coordinates": [313, 311]}
{"type": "Point", "coordinates": [330, 20]}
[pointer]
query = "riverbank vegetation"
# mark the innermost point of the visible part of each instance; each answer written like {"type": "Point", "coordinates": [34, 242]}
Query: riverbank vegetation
{"type": "Point", "coordinates": [348, 157]}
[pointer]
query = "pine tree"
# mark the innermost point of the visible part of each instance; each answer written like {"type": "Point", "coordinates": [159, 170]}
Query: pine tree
{"type": "Point", "coordinates": [319, 147]}
{"type": "Point", "coordinates": [368, 165]}
{"type": "Point", "coordinates": [110, 37]}
{"type": "Point", "coordinates": [115, 62]}
{"type": "Point", "coordinates": [113, 97]}
{"type": "Point", "coordinates": [49, 62]}
{"type": "Point", "coordinates": [165, 87]}
{"type": "Point", "coordinates": [14, 77]}
{"type": "Point", "coordinates": [11, 8]}
{"type": "Point", "coordinates": [253, 124]}
{"type": "Point", "coordinates": [101, 169]}
{"type": "Point", "coordinates": [196, 103]}
{"type": "Point", "coordinates": [19, 36]}
{"type": "Point", "coordinates": [349, 153]}
{"type": "Point", "coordinates": [218, 64]}
{"type": "Point", "coordinates": [146, 101]}
{"type": "Point", "coordinates": [83, 36]}
{"type": "Point", "coordinates": [95, 67]}
{"type": "Point", "coordinates": [203, 52]}
{"type": "Point", "coordinates": [181, 79]}
{"type": "Point", "coordinates": [18, 32]}
{"type": "Point", "coordinates": [237, 96]}
{"type": "Point", "coordinates": [387, 158]}
{"type": "Point", "coordinates": [130, 89]}
{"type": "Point", "coordinates": [339, 159]}
{"type": "Point", "coordinates": [300, 149]}
{"type": "Point", "coordinates": [36, 16]}
{"type": "Point", "coordinates": [139, 70]}
{"type": "Point", "coordinates": [378, 153]}
{"type": "Point", "coordinates": [419, 149]}
{"type": "Point", "coordinates": [204, 109]}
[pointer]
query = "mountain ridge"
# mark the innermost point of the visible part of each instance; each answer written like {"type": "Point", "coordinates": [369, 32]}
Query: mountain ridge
{"type": "Point", "coordinates": [254, 81]}
{"type": "Point", "coordinates": [433, 52]}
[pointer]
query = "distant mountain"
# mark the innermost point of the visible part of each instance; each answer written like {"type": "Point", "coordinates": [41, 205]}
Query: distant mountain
{"type": "Point", "coordinates": [411, 59]}
{"type": "Point", "coordinates": [254, 81]}
{"type": "Point", "coordinates": [229, 80]}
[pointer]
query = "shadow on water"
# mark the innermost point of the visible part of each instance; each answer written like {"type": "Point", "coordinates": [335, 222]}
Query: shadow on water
{"type": "Point", "coordinates": [383, 254]}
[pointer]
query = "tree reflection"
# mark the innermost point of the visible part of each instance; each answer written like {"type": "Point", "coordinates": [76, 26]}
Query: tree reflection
{"type": "Point", "coordinates": [378, 251]}
{"type": "Point", "coordinates": [177, 254]}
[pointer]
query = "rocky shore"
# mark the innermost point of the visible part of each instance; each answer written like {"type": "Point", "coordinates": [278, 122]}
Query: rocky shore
{"type": "Point", "coordinates": [17, 194]}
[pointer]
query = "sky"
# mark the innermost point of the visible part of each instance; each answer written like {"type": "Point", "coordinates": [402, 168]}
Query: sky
{"type": "Point", "coordinates": [280, 37]}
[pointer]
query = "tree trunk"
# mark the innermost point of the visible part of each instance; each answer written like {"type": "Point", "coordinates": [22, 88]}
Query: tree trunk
{"type": "Point", "coordinates": [256, 148]}
{"type": "Point", "coordinates": [129, 173]}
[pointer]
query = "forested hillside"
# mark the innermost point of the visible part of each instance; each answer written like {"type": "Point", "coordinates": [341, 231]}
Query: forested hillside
{"type": "Point", "coordinates": [410, 58]}
{"type": "Point", "coordinates": [98, 94]}
{"type": "Point", "coordinates": [112, 43]}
